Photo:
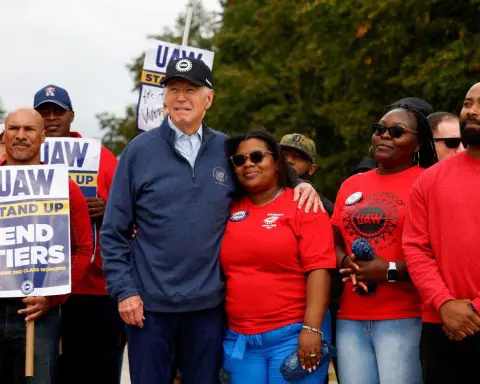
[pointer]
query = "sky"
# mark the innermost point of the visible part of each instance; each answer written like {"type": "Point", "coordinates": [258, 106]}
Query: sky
{"type": "Point", "coordinates": [82, 46]}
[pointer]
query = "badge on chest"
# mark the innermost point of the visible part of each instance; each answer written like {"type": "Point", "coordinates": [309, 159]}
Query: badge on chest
{"type": "Point", "coordinates": [238, 216]}
{"type": "Point", "coordinates": [354, 198]}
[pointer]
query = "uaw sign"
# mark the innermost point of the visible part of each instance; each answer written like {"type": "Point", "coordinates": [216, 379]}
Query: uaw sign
{"type": "Point", "coordinates": [82, 158]}
{"type": "Point", "coordinates": [150, 102]}
{"type": "Point", "coordinates": [34, 231]}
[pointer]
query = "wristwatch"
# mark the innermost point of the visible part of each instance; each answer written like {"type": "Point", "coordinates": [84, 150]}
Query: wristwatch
{"type": "Point", "coordinates": [392, 272]}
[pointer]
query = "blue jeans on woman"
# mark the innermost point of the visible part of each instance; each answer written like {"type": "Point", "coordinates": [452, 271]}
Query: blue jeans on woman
{"type": "Point", "coordinates": [379, 351]}
{"type": "Point", "coordinates": [256, 359]}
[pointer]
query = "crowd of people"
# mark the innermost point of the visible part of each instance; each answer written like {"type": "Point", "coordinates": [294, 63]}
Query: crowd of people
{"type": "Point", "coordinates": [216, 254]}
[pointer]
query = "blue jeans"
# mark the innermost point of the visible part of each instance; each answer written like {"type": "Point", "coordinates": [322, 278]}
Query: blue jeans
{"type": "Point", "coordinates": [12, 344]}
{"type": "Point", "coordinates": [381, 351]}
{"type": "Point", "coordinates": [264, 353]}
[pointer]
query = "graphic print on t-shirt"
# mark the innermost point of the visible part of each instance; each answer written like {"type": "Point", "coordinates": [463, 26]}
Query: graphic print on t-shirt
{"type": "Point", "coordinates": [375, 217]}
{"type": "Point", "coordinates": [271, 219]}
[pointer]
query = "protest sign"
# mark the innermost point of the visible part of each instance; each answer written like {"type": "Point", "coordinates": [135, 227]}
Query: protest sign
{"type": "Point", "coordinates": [82, 157]}
{"type": "Point", "coordinates": [34, 231]}
{"type": "Point", "coordinates": [150, 101]}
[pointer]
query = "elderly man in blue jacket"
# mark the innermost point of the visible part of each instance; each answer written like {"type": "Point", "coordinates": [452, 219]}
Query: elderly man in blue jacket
{"type": "Point", "coordinates": [173, 183]}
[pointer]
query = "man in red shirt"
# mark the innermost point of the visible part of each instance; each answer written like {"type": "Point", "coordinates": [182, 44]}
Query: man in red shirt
{"type": "Point", "coordinates": [24, 134]}
{"type": "Point", "coordinates": [91, 326]}
{"type": "Point", "coordinates": [440, 241]}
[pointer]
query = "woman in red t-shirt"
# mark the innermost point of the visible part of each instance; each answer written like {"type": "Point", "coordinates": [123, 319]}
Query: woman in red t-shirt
{"type": "Point", "coordinates": [275, 259]}
{"type": "Point", "coordinates": [378, 327]}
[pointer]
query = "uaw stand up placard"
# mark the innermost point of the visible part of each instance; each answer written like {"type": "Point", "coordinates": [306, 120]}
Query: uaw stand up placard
{"type": "Point", "coordinates": [34, 236]}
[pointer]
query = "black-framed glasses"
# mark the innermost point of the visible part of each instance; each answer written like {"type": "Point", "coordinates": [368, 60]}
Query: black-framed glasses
{"type": "Point", "coordinates": [255, 157]}
{"type": "Point", "coordinates": [450, 142]}
{"type": "Point", "coordinates": [395, 132]}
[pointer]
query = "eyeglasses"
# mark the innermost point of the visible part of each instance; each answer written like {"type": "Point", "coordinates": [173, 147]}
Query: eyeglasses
{"type": "Point", "coordinates": [450, 142]}
{"type": "Point", "coordinates": [255, 157]}
{"type": "Point", "coordinates": [395, 132]}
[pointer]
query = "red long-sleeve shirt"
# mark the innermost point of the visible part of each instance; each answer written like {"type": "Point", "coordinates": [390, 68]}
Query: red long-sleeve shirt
{"type": "Point", "coordinates": [441, 234]}
{"type": "Point", "coordinates": [94, 281]}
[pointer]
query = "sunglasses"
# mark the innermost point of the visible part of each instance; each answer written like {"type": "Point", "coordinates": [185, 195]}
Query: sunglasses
{"type": "Point", "coordinates": [395, 132]}
{"type": "Point", "coordinates": [450, 142]}
{"type": "Point", "coordinates": [255, 157]}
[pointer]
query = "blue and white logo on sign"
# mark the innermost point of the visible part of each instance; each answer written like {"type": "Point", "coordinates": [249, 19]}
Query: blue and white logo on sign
{"type": "Point", "coordinates": [238, 216]}
{"type": "Point", "coordinates": [27, 287]}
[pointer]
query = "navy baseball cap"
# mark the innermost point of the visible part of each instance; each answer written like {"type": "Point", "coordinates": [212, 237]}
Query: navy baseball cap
{"type": "Point", "coordinates": [193, 70]}
{"type": "Point", "coordinates": [52, 94]}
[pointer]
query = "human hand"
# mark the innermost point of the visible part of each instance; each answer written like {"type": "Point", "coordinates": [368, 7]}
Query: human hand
{"type": "Point", "coordinates": [131, 311]}
{"type": "Point", "coordinates": [37, 306]}
{"type": "Point", "coordinates": [96, 207]}
{"type": "Point", "coordinates": [309, 349]}
{"type": "Point", "coordinates": [459, 319]}
{"type": "Point", "coordinates": [373, 271]}
{"type": "Point", "coordinates": [349, 272]}
{"type": "Point", "coordinates": [306, 194]}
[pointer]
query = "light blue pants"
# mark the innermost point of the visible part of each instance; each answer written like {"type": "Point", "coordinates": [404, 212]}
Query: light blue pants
{"type": "Point", "coordinates": [256, 359]}
{"type": "Point", "coordinates": [381, 351]}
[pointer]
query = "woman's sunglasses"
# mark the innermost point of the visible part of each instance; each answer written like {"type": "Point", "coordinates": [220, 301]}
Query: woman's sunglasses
{"type": "Point", "coordinates": [395, 132]}
{"type": "Point", "coordinates": [255, 157]}
{"type": "Point", "coordinates": [450, 142]}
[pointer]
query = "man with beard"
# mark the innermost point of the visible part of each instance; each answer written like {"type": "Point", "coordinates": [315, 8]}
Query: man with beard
{"type": "Point", "coordinates": [440, 241]}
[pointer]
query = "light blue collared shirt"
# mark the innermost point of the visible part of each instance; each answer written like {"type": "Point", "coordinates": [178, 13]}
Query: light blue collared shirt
{"type": "Point", "coordinates": [188, 146]}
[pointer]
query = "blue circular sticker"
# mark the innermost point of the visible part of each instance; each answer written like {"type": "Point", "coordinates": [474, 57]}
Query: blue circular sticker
{"type": "Point", "coordinates": [27, 287]}
{"type": "Point", "coordinates": [238, 216]}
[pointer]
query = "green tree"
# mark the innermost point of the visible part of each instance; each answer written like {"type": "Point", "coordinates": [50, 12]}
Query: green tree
{"type": "Point", "coordinates": [327, 68]}
{"type": "Point", "coordinates": [120, 130]}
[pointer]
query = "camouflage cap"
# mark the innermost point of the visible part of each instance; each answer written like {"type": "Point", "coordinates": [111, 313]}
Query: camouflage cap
{"type": "Point", "coordinates": [301, 143]}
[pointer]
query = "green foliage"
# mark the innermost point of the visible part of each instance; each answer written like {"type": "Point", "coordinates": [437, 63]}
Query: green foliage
{"type": "Point", "coordinates": [327, 68]}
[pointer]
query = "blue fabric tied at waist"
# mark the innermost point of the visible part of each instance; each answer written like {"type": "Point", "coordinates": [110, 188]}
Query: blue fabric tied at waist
{"type": "Point", "coordinates": [241, 344]}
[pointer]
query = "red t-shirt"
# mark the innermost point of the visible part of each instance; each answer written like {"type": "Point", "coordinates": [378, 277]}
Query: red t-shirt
{"type": "Point", "coordinates": [441, 233]}
{"type": "Point", "coordinates": [377, 217]}
{"type": "Point", "coordinates": [265, 253]}
{"type": "Point", "coordinates": [94, 282]}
